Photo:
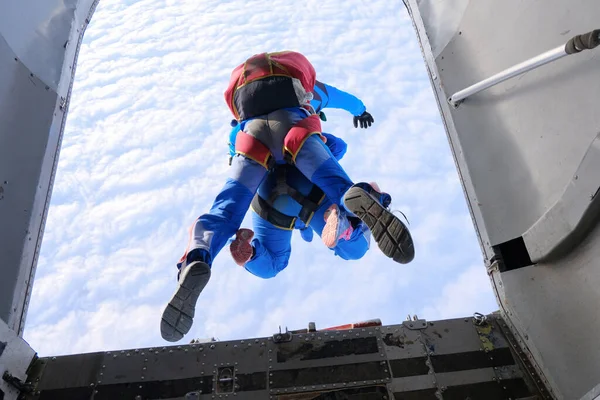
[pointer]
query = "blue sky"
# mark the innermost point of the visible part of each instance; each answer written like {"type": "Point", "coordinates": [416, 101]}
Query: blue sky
{"type": "Point", "coordinates": [145, 152]}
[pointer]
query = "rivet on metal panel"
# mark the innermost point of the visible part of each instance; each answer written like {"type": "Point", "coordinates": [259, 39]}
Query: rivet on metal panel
{"type": "Point", "coordinates": [144, 368]}
{"type": "Point", "coordinates": [185, 350]}
{"type": "Point", "coordinates": [145, 360]}
{"type": "Point", "coordinates": [91, 384]}
{"type": "Point", "coordinates": [152, 349]}
{"type": "Point", "coordinates": [143, 354]}
{"type": "Point", "coordinates": [382, 355]}
{"type": "Point", "coordinates": [143, 378]}
{"type": "Point", "coordinates": [101, 373]}
{"type": "Point", "coordinates": [104, 366]}
{"type": "Point", "coordinates": [114, 356]}
{"type": "Point", "coordinates": [99, 382]}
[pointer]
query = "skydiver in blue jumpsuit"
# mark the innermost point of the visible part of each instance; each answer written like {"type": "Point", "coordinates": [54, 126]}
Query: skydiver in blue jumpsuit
{"type": "Point", "coordinates": [269, 95]}
{"type": "Point", "coordinates": [270, 249]}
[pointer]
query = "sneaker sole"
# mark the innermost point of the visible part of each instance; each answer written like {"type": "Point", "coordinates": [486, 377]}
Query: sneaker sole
{"type": "Point", "coordinates": [389, 232]}
{"type": "Point", "coordinates": [330, 234]}
{"type": "Point", "coordinates": [178, 316]}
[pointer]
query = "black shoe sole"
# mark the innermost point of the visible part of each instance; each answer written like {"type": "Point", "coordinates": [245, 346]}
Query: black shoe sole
{"type": "Point", "coordinates": [390, 233]}
{"type": "Point", "coordinates": [178, 316]}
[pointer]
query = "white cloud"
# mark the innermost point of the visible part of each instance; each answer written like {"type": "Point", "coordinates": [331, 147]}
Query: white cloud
{"type": "Point", "coordinates": [466, 294]}
{"type": "Point", "coordinates": [144, 153]}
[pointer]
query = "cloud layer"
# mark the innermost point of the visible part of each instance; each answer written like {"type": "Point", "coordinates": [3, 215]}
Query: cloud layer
{"type": "Point", "coordinates": [145, 152]}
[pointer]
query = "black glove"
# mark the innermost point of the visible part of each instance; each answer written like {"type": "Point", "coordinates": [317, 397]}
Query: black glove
{"type": "Point", "coordinates": [365, 119]}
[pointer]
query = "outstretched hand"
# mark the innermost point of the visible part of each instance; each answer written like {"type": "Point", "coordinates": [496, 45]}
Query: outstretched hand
{"type": "Point", "coordinates": [365, 120]}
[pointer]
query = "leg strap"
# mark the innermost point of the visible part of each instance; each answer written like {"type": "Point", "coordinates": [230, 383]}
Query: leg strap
{"type": "Point", "coordinates": [294, 140]}
{"type": "Point", "coordinates": [250, 147]}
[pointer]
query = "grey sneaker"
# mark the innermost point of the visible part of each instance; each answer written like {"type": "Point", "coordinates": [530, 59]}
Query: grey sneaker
{"type": "Point", "coordinates": [178, 316]}
{"type": "Point", "coordinates": [390, 233]}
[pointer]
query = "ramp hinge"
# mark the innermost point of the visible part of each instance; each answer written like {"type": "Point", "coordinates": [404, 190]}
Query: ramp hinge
{"type": "Point", "coordinates": [26, 387]}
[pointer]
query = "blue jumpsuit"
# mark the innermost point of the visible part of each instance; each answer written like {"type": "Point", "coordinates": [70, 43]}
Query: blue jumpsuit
{"type": "Point", "coordinates": [211, 231]}
{"type": "Point", "coordinates": [273, 244]}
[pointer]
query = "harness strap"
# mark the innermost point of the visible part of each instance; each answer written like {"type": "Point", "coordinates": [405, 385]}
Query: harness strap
{"type": "Point", "coordinates": [269, 213]}
{"type": "Point", "coordinates": [297, 136]}
{"type": "Point", "coordinates": [252, 148]}
{"type": "Point", "coordinates": [312, 202]}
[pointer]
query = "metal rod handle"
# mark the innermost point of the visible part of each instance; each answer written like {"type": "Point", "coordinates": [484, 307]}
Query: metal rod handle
{"type": "Point", "coordinates": [578, 43]}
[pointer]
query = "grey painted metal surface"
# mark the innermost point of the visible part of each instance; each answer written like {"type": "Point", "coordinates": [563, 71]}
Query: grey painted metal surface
{"type": "Point", "coordinates": [565, 224]}
{"type": "Point", "coordinates": [578, 43]}
{"type": "Point", "coordinates": [593, 394]}
{"type": "Point", "coordinates": [520, 148]}
{"type": "Point", "coordinates": [39, 42]}
{"type": "Point", "coordinates": [15, 358]}
{"type": "Point", "coordinates": [452, 359]}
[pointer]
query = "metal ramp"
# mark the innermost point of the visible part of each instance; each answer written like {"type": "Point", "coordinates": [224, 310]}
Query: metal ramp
{"type": "Point", "coordinates": [453, 359]}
